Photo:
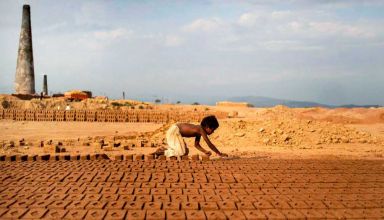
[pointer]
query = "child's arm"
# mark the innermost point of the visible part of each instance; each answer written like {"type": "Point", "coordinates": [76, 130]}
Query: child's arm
{"type": "Point", "coordinates": [210, 145]}
{"type": "Point", "coordinates": [199, 147]}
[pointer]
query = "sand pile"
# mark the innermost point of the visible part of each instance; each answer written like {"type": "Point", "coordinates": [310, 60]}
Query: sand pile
{"type": "Point", "coordinates": [280, 127]}
{"type": "Point", "coordinates": [344, 115]}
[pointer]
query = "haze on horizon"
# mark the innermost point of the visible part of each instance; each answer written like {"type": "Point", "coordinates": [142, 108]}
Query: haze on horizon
{"type": "Point", "coordinates": [324, 51]}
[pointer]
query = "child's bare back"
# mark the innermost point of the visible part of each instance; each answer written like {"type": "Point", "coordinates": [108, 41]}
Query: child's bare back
{"type": "Point", "coordinates": [189, 130]}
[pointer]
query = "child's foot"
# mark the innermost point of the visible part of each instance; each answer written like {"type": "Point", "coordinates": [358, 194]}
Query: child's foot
{"type": "Point", "coordinates": [159, 152]}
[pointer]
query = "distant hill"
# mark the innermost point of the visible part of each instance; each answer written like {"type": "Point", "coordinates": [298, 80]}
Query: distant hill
{"type": "Point", "coordinates": [260, 101]}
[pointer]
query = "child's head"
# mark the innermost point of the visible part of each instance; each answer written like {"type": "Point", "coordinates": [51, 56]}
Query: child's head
{"type": "Point", "coordinates": [209, 124]}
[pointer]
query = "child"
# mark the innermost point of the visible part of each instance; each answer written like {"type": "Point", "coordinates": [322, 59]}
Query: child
{"type": "Point", "coordinates": [176, 143]}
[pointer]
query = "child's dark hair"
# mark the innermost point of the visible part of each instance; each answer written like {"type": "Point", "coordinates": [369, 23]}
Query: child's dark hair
{"type": "Point", "coordinates": [210, 122]}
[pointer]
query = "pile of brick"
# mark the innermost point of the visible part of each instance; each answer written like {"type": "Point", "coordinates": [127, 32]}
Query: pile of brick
{"type": "Point", "coordinates": [199, 190]}
{"type": "Point", "coordinates": [143, 116]}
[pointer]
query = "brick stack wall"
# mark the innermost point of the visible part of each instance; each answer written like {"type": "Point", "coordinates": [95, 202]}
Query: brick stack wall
{"type": "Point", "coordinates": [143, 116]}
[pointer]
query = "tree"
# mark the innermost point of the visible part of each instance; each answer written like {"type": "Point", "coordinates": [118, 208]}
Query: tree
{"type": "Point", "coordinates": [157, 101]}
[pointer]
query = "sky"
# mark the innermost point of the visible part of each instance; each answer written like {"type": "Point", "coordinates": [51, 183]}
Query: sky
{"type": "Point", "coordinates": [331, 52]}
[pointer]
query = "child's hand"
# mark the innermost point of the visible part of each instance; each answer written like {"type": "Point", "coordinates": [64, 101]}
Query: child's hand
{"type": "Point", "coordinates": [223, 155]}
{"type": "Point", "coordinates": [208, 153]}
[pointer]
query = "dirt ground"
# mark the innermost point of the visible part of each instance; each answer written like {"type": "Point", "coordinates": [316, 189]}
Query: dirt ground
{"type": "Point", "coordinates": [278, 132]}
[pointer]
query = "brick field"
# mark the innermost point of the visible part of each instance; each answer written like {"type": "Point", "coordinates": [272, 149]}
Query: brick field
{"type": "Point", "coordinates": [186, 189]}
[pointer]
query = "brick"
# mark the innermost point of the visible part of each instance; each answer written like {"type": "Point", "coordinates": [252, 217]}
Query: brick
{"type": "Point", "coordinates": [24, 203]}
{"type": "Point", "coordinates": [195, 157]}
{"type": "Point", "coordinates": [196, 198]}
{"type": "Point", "coordinates": [208, 206]}
{"type": "Point", "coordinates": [75, 196]}
{"type": "Point", "coordinates": [254, 214]}
{"type": "Point", "coordinates": [115, 214]}
{"type": "Point", "coordinates": [139, 157]}
{"type": "Point", "coordinates": [136, 214]}
{"type": "Point", "coordinates": [312, 214]}
{"type": "Point", "coordinates": [153, 205]}
{"type": "Point", "coordinates": [14, 213]}
{"type": "Point", "coordinates": [229, 197]}
{"type": "Point", "coordinates": [78, 204]}
{"type": "Point", "coordinates": [171, 205]}
{"type": "Point", "coordinates": [58, 205]}
{"type": "Point", "coordinates": [95, 214]}
{"type": "Point", "coordinates": [58, 196]}
{"type": "Point", "coordinates": [205, 158]}
{"type": "Point", "coordinates": [133, 205]}
{"type": "Point", "coordinates": [263, 204]}
{"type": "Point", "coordinates": [155, 214]}
{"type": "Point", "coordinates": [142, 191]}
{"type": "Point", "coordinates": [55, 214]}
{"type": "Point", "coordinates": [244, 205]}
{"type": "Point", "coordinates": [234, 214]}
{"type": "Point", "coordinates": [195, 215]}
{"type": "Point", "coordinates": [35, 213]}
{"type": "Point", "coordinates": [127, 198]}
{"type": "Point", "coordinates": [96, 205]}
{"type": "Point", "coordinates": [189, 205]}
{"type": "Point", "coordinates": [292, 214]}
{"type": "Point", "coordinates": [41, 203]}
{"type": "Point", "coordinates": [175, 215]}
{"type": "Point", "coordinates": [92, 196]}
{"type": "Point", "coordinates": [144, 198]}
{"type": "Point", "coordinates": [218, 215]}
{"type": "Point", "coordinates": [273, 214]}
{"type": "Point", "coordinates": [161, 198]}
{"type": "Point", "coordinates": [148, 185]}
{"type": "Point", "coordinates": [174, 191]}
{"type": "Point", "coordinates": [75, 214]}
{"type": "Point", "coordinates": [226, 205]}
{"type": "Point", "coordinates": [115, 204]}
{"type": "Point", "coordinates": [109, 197]}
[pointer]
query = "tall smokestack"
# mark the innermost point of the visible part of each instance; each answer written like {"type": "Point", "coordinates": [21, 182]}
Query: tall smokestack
{"type": "Point", "coordinates": [45, 86]}
{"type": "Point", "coordinates": [25, 76]}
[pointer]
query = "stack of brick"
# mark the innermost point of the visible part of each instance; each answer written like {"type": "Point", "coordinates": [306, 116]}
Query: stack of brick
{"type": "Point", "coordinates": [110, 116]}
{"type": "Point", "coordinates": [132, 116]}
{"type": "Point", "coordinates": [40, 115]}
{"type": "Point", "coordinates": [50, 115]}
{"type": "Point", "coordinates": [20, 115]}
{"type": "Point", "coordinates": [60, 115]}
{"type": "Point", "coordinates": [121, 116]}
{"type": "Point", "coordinates": [70, 115]}
{"type": "Point", "coordinates": [90, 115]}
{"type": "Point", "coordinates": [80, 115]}
{"type": "Point", "coordinates": [143, 116]}
{"type": "Point", "coordinates": [9, 114]}
{"type": "Point", "coordinates": [30, 115]}
{"type": "Point", "coordinates": [100, 116]}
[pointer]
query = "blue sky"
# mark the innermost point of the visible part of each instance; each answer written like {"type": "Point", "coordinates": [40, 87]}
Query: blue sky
{"type": "Point", "coordinates": [324, 51]}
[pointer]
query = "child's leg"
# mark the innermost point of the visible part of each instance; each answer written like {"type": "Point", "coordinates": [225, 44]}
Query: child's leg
{"type": "Point", "coordinates": [186, 151]}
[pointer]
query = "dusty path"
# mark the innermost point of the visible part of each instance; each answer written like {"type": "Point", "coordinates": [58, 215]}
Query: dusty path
{"type": "Point", "coordinates": [68, 130]}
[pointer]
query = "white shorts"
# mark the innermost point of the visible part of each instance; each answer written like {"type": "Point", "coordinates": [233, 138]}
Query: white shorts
{"type": "Point", "coordinates": [176, 143]}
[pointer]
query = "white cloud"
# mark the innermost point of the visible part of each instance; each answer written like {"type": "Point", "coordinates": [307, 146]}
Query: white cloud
{"type": "Point", "coordinates": [339, 29]}
{"type": "Point", "coordinates": [248, 19]}
{"type": "Point", "coordinates": [204, 25]}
